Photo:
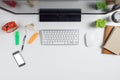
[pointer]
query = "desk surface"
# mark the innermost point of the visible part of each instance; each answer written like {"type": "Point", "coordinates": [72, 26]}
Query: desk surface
{"type": "Point", "coordinates": [56, 62]}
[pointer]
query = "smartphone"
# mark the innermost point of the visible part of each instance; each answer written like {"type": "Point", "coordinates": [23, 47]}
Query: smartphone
{"type": "Point", "coordinates": [18, 58]}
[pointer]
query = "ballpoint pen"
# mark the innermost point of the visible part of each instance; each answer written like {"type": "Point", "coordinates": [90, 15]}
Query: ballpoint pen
{"type": "Point", "coordinates": [23, 43]}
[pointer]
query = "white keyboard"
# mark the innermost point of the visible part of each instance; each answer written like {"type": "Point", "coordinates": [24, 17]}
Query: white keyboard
{"type": "Point", "coordinates": [59, 37]}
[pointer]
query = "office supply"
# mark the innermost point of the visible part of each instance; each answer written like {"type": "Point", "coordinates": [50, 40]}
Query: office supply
{"type": "Point", "coordinates": [100, 23]}
{"type": "Point", "coordinates": [113, 42]}
{"type": "Point", "coordinates": [23, 43]}
{"type": "Point", "coordinates": [30, 27]}
{"type": "Point", "coordinates": [9, 27]}
{"type": "Point", "coordinates": [17, 37]}
{"type": "Point", "coordinates": [59, 37]}
{"type": "Point", "coordinates": [116, 17]}
{"type": "Point", "coordinates": [19, 58]}
{"type": "Point", "coordinates": [61, 15]}
{"type": "Point", "coordinates": [33, 37]}
{"type": "Point", "coordinates": [107, 32]}
{"type": "Point", "coordinates": [31, 2]}
{"type": "Point", "coordinates": [89, 39]}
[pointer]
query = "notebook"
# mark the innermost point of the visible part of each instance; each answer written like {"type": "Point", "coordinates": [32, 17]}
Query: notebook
{"type": "Point", "coordinates": [107, 32]}
{"type": "Point", "coordinates": [113, 42]}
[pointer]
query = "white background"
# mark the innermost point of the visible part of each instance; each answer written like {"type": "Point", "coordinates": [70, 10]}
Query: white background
{"type": "Point", "coordinates": [56, 62]}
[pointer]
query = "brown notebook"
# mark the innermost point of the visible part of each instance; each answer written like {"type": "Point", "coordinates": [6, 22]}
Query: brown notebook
{"type": "Point", "coordinates": [108, 30]}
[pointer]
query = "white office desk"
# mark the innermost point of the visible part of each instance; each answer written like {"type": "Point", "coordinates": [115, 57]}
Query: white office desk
{"type": "Point", "coordinates": [56, 62]}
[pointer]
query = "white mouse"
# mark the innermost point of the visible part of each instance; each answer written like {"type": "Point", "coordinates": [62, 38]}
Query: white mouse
{"type": "Point", "coordinates": [89, 39]}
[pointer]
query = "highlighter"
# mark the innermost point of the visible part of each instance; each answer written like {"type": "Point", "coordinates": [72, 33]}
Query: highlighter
{"type": "Point", "coordinates": [33, 37]}
{"type": "Point", "coordinates": [17, 37]}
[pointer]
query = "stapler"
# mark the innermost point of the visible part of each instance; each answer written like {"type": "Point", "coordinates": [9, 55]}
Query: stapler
{"type": "Point", "coordinates": [11, 3]}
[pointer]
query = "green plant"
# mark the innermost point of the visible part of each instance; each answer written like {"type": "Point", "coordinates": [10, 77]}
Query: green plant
{"type": "Point", "coordinates": [100, 23]}
{"type": "Point", "coordinates": [101, 5]}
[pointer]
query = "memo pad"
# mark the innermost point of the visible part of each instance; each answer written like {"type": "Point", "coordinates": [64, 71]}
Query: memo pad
{"type": "Point", "coordinates": [113, 42]}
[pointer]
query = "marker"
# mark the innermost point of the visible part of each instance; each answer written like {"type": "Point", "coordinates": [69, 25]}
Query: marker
{"type": "Point", "coordinates": [17, 37]}
{"type": "Point", "coordinates": [33, 37]}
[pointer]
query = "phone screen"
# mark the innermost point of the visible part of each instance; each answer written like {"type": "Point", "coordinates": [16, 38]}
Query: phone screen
{"type": "Point", "coordinates": [19, 59]}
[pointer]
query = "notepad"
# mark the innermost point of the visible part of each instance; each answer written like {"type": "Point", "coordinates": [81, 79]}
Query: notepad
{"type": "Point", "coordinates": [113, 42]}
{"type": "Point", "coordinates": [107, 32]}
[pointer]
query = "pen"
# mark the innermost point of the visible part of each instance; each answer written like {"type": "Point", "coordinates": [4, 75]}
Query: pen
{"type": "Point", "coordinates": [23, 43]}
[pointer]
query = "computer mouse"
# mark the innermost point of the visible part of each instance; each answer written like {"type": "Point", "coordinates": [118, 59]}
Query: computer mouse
{"type": "Point", "coordinates": [89, 39]}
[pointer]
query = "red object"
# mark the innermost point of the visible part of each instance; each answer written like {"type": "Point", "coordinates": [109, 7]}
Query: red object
{"type": "Point", "coordinates": [11, 3]}
{"type": "Point", "coordinates": [9, 27]}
